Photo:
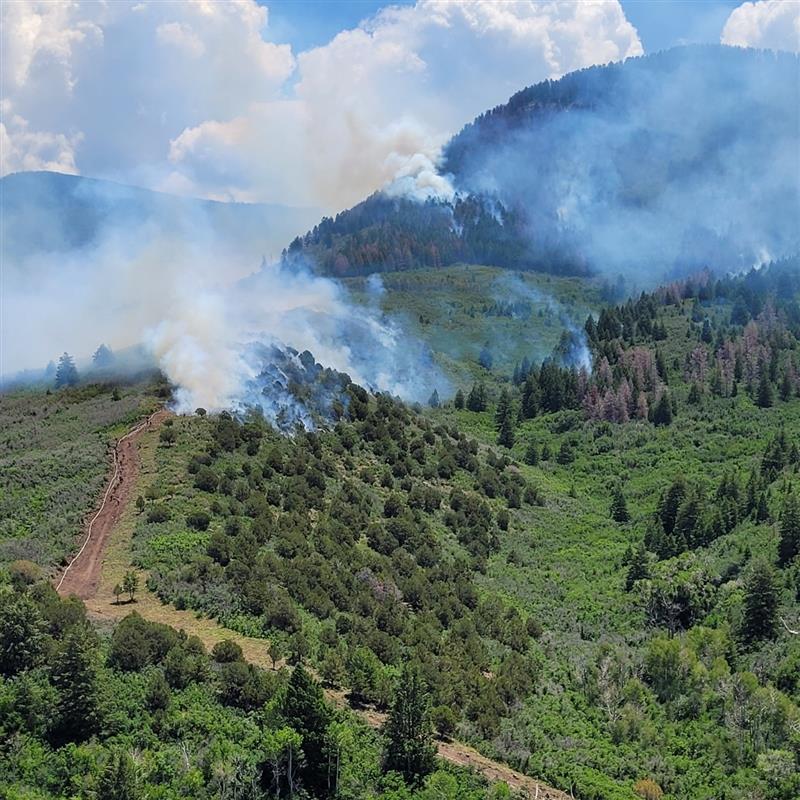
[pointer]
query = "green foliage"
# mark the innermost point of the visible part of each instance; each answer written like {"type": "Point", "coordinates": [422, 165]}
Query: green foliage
{"type": "Point", "coordinates": [408, 731]}
{"type": "Point", "coordinates": [22, 635]}
{"type": "Point", "coordinates": [119, 780]}
{"type": "Point", "coordinates": [760, 615]}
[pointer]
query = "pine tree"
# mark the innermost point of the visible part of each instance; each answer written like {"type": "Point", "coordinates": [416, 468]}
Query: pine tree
{"type": "Point", "coordinates": [786, 386]}
{"type": "Point", "coordinates": [765, 396]}
{"type": "Point", "coordinates": [760, 603]}
{"type": "Point", "coordinates": [103, 357]}
{"type": "Point", "coordinates": [546, 454]}
{"type": "Point", "coordinates": [505, 420]}
{"type": "Point", "coordinates": [74, 675]}
{"type": "Point", "coordinates": [304, 709]}
{"type": "Point", "coordinates": [662, 411]}
{"type": "Point", "coordinates": [119, 780]}
{"type": "Point", "coordinates": [639, 568]}
{"type": "Point", "coordinates": [409, 731]}
{"type": "Point", "coordinates": [762, 509]}
{"type": "Point", "coordinates": [458, 400]}
{"type": "Point", "coordinates": [22, 635]}
{"type": "Point", "coordinates": [476, 400]}
{"type": "Point", "coordinates": [532, 454]}
{"type": "Point", "coordinates": [789, 544]}
{"type": "Point", "coordinates": [66, 374]}
{"type": "Point", "coordinates": [433, 400]}
{"type": "Point", "coordinates": [619, 508]}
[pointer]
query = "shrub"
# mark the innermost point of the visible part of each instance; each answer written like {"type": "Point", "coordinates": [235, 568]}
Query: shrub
{"type": "Point", "coordinates": [199, 520]}
{"type": "Point", "coordinates": [227, 651]}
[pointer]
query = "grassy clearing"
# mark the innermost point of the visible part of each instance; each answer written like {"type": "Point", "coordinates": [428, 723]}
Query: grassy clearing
{"type": "Point", "coordinates": [460, 310]}
{"type": "Point", "coordinates": [54, 462]}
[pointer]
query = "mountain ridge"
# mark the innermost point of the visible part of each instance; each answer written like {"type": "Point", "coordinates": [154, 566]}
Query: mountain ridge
{"type": "Point", "coordinates": [555, 178]}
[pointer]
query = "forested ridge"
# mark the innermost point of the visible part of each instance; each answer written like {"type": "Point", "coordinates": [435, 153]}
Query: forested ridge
{"type": "Point", "coordinates": [588, 573]}
{"type": "Point", "coordinates": [566, 176]}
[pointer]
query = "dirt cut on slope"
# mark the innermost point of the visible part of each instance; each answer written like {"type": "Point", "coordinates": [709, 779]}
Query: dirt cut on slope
{"type": "Point", "coordinates": [81, 576]}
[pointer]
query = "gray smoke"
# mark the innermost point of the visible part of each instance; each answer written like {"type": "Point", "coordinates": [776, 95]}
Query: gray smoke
{"type": "Point", "coordinates": [659, 166]}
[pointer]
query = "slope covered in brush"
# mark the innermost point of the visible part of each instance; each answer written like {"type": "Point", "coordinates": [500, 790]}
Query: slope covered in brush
{"type": "Point", "coordinates": [679, 160]}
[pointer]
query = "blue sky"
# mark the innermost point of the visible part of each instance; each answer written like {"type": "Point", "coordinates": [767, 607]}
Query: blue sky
{"type": "Point", "coordinates": [661, 23]}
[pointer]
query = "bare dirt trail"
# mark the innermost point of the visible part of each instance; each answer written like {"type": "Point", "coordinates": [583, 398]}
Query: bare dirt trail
{"type": "Point", "coordinates": [105, 556]}
{"type": "Point", "coordinates": [81, 576]}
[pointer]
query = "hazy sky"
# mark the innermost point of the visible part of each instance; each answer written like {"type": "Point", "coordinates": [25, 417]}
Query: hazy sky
{"type": "Point", "coordinates": [306, 103]}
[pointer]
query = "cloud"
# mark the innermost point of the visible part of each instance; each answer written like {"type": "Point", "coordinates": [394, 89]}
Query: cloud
{"type": "Point", "coordinates": [130, 77]}
{"type": "Point", "coordinates": [379, 101]}
{"type": "Point", "coordinates": [192, 96]}
{"type": "Point", "coordinates": [766, 24]}
{"type": "Point", "coordinates": [24, 149]}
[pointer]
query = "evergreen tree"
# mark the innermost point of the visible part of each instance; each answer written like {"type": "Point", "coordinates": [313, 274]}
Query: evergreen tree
{"type": "Point", "coordinates": [662, 411]}
{"type": "Point", "coordinates": [503, 406]}
{"type": "Point", "coordinates": [760, 603]}
{"type": "Point", "coordinates": [639, 568]}
{"type": "Point", "coordinates": [619, 508]}
{"type": "Point", "coordinates": [661, 364]}
{"type": "Point", "coordinates": [765, 396]}
{"type": "Point", "coordinates": [75, 677]}
{"type": "Point", "coordinates": [476, 400]}
{"type": "Point", "coordinates": [789, 544]}
{"type": "Point", "coordinates": [565, 454]}
{"type": "Point", "coordinates": [304, 709]}
{"type": "Point", "coordinates": [532, 454]}
{"type": "Point", "coordinates": [22, 635]}
{"type": "Point", "coordinates": [762, 509]}
{"type": "Point", "coordinates": [103, 357]}
{"type": "Point", "coordinates": [505, 420]}
{"type": "Point", "coordinates": [433, 400]}
{"type": "Point", "coordinates": [119, 780]}
{"type": "Point", "coordinates": [458, 400]}
{"type": "Point", "coordinates": [409, 731]}
{"type": "Point", "coordinates": [66, 374]}
{"type": "Point", "coordinates": [786, 386]}
{"type": "Point", "coordinates": [485, 359]}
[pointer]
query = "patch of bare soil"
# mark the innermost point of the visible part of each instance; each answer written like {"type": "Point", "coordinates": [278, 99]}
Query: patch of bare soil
{"type": "Point", "coordinates": [81, 576]}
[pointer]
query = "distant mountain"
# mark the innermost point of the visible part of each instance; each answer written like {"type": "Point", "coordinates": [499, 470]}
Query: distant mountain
{"type": "Point", "coordinates": [661, 165]}
{"type": "Point", "coordinates": [52, 212]}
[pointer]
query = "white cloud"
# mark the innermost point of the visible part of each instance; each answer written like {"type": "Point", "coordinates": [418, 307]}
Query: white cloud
{"type": "Point", "coordinates": [191, 95]}
{"type": "Point", "coordinates": [182, 37]}
{"type": "Point", "coordinates": [380, 100]}
{"type": "Point", "coordinates": [24, 149]}
{"type": "Point", "coordinates": [131, 77]}
{"type": "Point", "coordinates": [766, 24]}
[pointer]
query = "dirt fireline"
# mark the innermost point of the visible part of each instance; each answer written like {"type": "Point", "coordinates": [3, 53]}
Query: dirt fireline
{"type": "Point", "coordinates": [82, 577]}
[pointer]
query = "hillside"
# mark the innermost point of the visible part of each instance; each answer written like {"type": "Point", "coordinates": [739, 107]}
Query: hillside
{"type": "Point", "coordinates": [587, 571]}
{"type": "Point", "coordinates": [46, 212]}
{"type": "Point", "coordinates": [599, 172]}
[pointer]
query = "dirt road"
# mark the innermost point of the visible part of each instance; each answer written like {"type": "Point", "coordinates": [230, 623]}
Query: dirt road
{"type": "Point", "coordinates": [81, 576]}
